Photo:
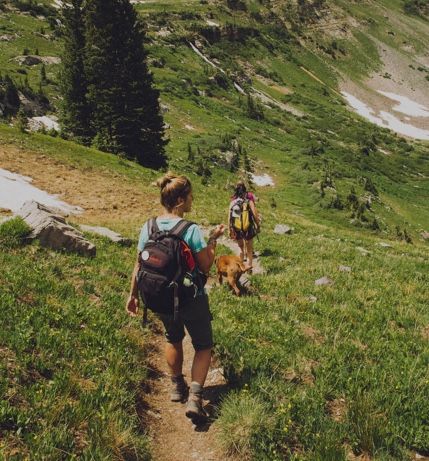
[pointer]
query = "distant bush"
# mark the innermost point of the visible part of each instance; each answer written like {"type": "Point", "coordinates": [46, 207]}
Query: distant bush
{"type": "Point", "coordinates": [254, 109]}
{"type": "Point", "coordinates": [13, 233]}
{"type": "Point", "coordinates": [336, 203]}
{"type": "Point", "coordinates": [369, 144]}
{"type": "Point", "coordinates": [369, 186]}
{"type": "Point", "coordinates": [35, 9]}
{"type": "Point", "coordinates": [9, 97]}
{"type": "Point", "coordinates": [403, 235]}
{"type": "Point", "coordinates": [417, 7]}
{"type": "Point", "coordinates": [236, 5]}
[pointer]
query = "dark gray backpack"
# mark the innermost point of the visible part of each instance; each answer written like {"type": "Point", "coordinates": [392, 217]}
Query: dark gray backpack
{"type": "Point", "coordinates": [165, 277]}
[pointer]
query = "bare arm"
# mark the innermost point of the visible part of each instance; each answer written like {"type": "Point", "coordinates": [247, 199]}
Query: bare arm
{"type": "Point", "coordinates": [132, 305]}
{"type": "Point", "coordinates": [205, 257]}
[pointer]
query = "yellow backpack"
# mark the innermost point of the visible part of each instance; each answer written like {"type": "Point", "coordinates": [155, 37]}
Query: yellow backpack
{"type": "Point", "coordinates": [240, 215]}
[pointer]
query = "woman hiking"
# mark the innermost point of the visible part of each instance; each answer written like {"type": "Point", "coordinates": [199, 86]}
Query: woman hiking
{"type": "Point", "coordinates": [194, 314]}
{"type": "Point", "coordinates": [243, 221]}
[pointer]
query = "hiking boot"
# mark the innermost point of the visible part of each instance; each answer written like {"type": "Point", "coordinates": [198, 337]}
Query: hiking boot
{"type": "Point", "coordinates": [179, 389]}
{"type": "Point", "coordinates": [194, 407]}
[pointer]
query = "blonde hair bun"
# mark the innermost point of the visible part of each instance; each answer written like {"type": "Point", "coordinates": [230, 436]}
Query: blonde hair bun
{"type": "Point", "coordinates": [172, 188]}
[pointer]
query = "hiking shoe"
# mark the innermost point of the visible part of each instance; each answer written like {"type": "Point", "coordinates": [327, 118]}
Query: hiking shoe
{"type": "Point", "coordinates": [194, 407]}
{"type": "Point", "coordinates": [179, 389]}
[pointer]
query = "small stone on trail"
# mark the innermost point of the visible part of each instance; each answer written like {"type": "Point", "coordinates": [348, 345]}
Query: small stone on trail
{"type": "Point", "coordinates": [153, 414]}
{"type": "Point", "coordinates": [283, 229]}
{"type": "Point", "coordinates": [345, 268]}
{"type": "Point", "coordinates": [323, 281]}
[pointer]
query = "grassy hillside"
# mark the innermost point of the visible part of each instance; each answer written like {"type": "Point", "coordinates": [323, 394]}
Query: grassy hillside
{"type": "Point", "coordinates": [296, 58]}
{"type": "Point", "coordinates": [317, 372]}
{"type": "Point", "coordinates": [72, 364]}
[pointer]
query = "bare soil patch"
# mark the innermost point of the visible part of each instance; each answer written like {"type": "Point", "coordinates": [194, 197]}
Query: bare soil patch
{"type": "Point", "coordinates": [174, 437]}
{"type": "Point", "coordinates": [107, 197]}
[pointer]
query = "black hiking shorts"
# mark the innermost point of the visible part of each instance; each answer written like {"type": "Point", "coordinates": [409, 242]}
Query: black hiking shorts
{"type": "Point", "coordinates": [196, 317]}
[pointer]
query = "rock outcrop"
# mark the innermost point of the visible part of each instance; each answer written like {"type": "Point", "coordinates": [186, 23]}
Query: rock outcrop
{"type": "Point", "coordinates": [105, 232]}
{"type": "Point", "coordinates": [283, 229]}
{"type": "Point", "coordinates": [53, 231]}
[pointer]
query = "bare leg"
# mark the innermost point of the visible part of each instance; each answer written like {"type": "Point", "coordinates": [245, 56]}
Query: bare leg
{"type": "Point", "coordinates": [249, 251]}
{"type": "Point", "coordinates": [174, 357]}
{"type": "Point", "coordinates": [200, 365]}
{"type": "Point", "coordinates": [241, 245]}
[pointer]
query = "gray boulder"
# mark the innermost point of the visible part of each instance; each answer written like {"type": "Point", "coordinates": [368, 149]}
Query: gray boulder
{"type": "Point", "coordinates": [53, 231]}
{"type": "Point", "coordinates": [283, 229]}
{"type": "Point", "coordinates": [323, 281]}
{"type": "Point", "coordinates": [105, 232]}
{"type": "Point", "coordinates": [342, 268]}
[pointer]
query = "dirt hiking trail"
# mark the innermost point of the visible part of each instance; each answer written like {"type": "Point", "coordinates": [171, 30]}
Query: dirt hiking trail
{"type": "Point", "coordinates": [173, 436]}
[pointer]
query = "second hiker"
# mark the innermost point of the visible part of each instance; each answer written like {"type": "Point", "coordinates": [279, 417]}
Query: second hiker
{"type": "Point", "coordinates": [243, 221]}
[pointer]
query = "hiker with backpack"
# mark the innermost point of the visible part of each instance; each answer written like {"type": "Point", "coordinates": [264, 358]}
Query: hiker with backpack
{"type": "Point", "coordinates": [243, 221]}
{"type": "Point", "coordinates": [170, 273]}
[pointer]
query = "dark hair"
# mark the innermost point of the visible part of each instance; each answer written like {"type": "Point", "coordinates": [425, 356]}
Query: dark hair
{"type": "Point", "coordinates": [240, 190]}
{"type": "Point", "coordinates": [173, 187]}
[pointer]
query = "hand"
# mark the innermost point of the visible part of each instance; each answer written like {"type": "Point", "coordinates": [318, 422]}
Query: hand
{"type": "Point", "coordinates": [132, 306]}
{"type": "Point", "coordinates": [218, 231]}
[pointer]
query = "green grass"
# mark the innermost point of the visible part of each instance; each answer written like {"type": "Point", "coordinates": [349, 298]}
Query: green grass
{"type": "Point", "coordinates": [72, 363]}
{"type": "Point", "coordinates": [13, 233]}
{"type": "Point", "coordinates": [361, 339]}
{"type": "Point", "coordinates": [27, 35]}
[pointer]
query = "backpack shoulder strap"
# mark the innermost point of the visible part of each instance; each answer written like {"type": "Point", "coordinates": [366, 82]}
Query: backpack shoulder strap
{"type": "Point", "coordinates": [180, 228]}
{"type": "Point", "coordinates": [152, 227]}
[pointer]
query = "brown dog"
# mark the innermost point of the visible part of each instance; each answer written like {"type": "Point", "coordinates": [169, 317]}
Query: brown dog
{"type": "Point", "coordinates": [232, 268]}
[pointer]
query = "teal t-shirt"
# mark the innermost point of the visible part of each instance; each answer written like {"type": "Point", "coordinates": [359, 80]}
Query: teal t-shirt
{"type": "Point", "coordinates": [193, 236]}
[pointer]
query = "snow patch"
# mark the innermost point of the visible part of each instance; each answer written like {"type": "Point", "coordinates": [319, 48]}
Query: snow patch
{"type": "Point", "coordinates": [407, 106]}
{"type": "Point", "coordinates": [262, 180]}
{"type": "Point", "coordinates": [16, 189]}
{"type": "Point", "coordinates": [385, 119]}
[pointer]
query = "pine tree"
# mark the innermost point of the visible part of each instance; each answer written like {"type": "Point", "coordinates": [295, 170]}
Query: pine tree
{"type": "Point", "coordinates": [43, 78]}
{"type": "Point", "coordinates": [11, 97]}
{"type": "Point", "coordinates": [22, 120]}
{"type": "Point", "coordinates": [124, 105]}
{"type": "Point", "coordinates": [75, 110]}
{"type": "Point", "coordinates": [191, 155]}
